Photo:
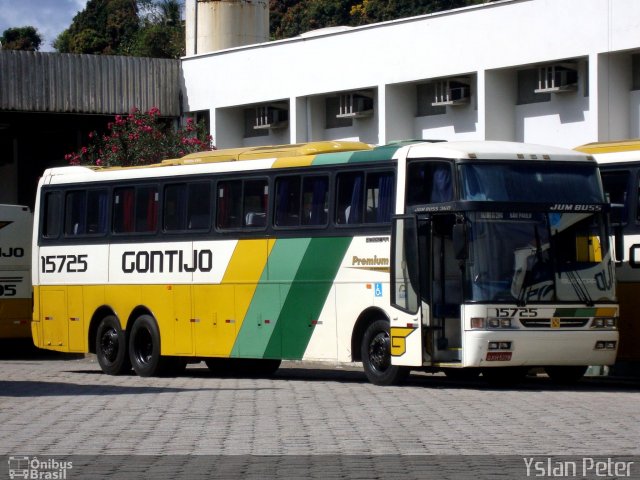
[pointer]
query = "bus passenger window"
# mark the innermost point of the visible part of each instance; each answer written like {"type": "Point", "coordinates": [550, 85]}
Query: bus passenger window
{"type": "Point", "coordinates": [229, 212]}
{"type": "Point", "coordinates": [379, 197]}
{"type": "Point", "coordinates": [429, 182]}
{"type": "Point", "coordinates": [255, 200]}
{"type": "Point", "coordinates": [175, 206]}
{"type": "Point", "coordinates": [75, 213]}
{"type": "Point", "coordinates": [123, 218]}
{"type": "Point", "coordinates": [85, 212]}
{"type": "Point", "coordinates": [349, 203]}
{"type": "Point", "coordinates": [287, 202]}
{"type": "Point", "coordinates": [199, 208]}
{"type": "Point", "coordinates": [315, 200]}
{"type": "Point", "coordinates": [146, 209]}
{"type": "Point", "coordinates": [97, 202]}
{"type": "Point", "coordinates": [135, 210]}
{"type": "Point", "coordinates": [51, 222]}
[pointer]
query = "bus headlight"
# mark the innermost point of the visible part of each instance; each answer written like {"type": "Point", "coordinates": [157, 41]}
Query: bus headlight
{"type": "Point", "coordinates": [499, 323]}
{"type": "Point", "coordinates": [477, 322]}
{"type": "Point", "coordinates": [604, 322]}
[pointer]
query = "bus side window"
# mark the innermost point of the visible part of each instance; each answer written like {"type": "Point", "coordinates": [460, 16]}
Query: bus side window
{"type": "Point", "coordinates": [75, 213]}
{"type": "Point", "coordinates": [379, 197]}
{"type": "Point", "coordinates": [429, 182]}
{"type": "Point", "coordinates": [135, 210]}
{"type": "Point", "coordinates": [315, 200]}
{"type": "Point", "coordinates": [349, 203]}
{"type": "Point", "coordinates": [287, 201]}
{"type": "Point", "coordinates": [146, 209]}
{"type": "Point", "coordinates": [97, 204]}
{"type": "Point", "coordinates": [255, 201]}
{"type": "Point", "coordinates": [174, 216]}
{"type": "Point", "coordinates": [199, 206]}
{"type": "Point", "coordinates": [85, 212]}
{"type": "Point", "coordinates": [616, 188]}
{"type": "Point", "coordinates": [229, 212]}
{"type": "Point", "coordinates": [52, 208]}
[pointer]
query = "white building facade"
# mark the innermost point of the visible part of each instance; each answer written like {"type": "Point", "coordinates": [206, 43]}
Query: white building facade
{"type": "Point", "coordinates": [557, 72]}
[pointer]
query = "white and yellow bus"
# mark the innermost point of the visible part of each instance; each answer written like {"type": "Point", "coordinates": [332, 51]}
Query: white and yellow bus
{"type": "Point", "coordinates": [620, 170]}
{"type": "Point", "coordinates": [16, 222]}
{"type": "Point", "coordinates": [462, 257]}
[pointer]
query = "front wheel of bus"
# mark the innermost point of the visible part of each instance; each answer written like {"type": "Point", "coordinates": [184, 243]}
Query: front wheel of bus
{"type": "Point", "coordinates": [144, 347]}
{"type": "Point", "coordinates": [375, 350]}
{"type": "Point", "coordinates": [111, 347]}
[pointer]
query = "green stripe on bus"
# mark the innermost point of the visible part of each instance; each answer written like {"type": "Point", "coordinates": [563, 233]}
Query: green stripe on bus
{"type": "Point", "coordinates": [377, 154]}
{"type": "Point", "coordinates": [307, 296]}
{"type": "Point", "coordinates": [261, 319]}
{"type": "Point", "coordinates": [332, 158]}
{"type": "Point", "coordinates": [574, 312]}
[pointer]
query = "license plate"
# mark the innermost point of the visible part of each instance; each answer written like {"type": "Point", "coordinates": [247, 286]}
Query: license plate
{"type": "Point", "coordinates": [499, 356]}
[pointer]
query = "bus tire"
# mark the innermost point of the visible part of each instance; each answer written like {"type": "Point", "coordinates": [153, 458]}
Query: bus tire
{"type": "Point", "coordinates": [565, 375]}
{"type": "Point", "coordinates": [144, 348]}
{"type": "Point", "coordinates": [375, 350]}
{"type": "Point", "coordinates": [111, 347]}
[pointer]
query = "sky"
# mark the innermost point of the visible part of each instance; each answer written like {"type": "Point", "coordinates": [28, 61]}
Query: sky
{"type": "Point", "coordinates": [49, 17]}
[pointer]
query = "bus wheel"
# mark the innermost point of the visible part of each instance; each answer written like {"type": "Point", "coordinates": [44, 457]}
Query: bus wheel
{"type": "Point", "coordinates": [565, 374]}
{"type": "Point", "coordinates": [375, 350]}
{"type": "Point", "coordinates": [111, 347]}
{"type": "Point", "coordinates": [144, 348]}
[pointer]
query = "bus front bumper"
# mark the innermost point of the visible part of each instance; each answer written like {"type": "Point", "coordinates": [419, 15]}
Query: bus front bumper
{"type": "Point", "coordinates": [516, 348]}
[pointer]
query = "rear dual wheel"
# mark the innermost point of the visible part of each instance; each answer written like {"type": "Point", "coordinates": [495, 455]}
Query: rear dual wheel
{"type": "Point", "coordinates": [111, 347]}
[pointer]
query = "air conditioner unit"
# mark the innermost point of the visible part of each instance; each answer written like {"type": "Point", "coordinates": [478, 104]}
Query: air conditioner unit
{"type": "Point", "coordinates": [355, 105]}
{"type": "Point", "coordinates": [557, 78]}
{"type": "Point", "coordinates": [271, 117]}
{"type": "Point", "coordinates": [452, 92]}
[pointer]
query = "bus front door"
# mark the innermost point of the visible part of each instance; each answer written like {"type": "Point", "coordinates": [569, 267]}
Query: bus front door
{"type": "Point", "coordinates": [408, 310]}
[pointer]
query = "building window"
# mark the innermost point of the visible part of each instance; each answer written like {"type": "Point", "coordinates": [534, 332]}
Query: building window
{"type": "Point", "coordinates": [527, 84]}
{"type": "Point", "coordinates": [426, 94]}
{"type": "Point", "coordinates": [332, 110]}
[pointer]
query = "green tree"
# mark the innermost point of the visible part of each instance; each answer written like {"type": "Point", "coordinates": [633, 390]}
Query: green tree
{"type": "Point", "coordinates": [103, 27]}
{"type": "Point", "coordinates": [162, 31]}
{"type": "Point", "coordinates": [21, 38]}
{"type": "Point", "coordinates": [290, 18]}
{"type": "Point", "coordinates": [371, 11]}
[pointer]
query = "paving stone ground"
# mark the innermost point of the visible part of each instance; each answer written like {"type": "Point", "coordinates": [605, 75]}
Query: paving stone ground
{"type": "Point", "coordinates": [58, 406]}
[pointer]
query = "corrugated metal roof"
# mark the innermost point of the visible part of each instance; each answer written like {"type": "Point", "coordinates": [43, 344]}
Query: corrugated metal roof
{"type": "Point", "coordinates": [68, 83]}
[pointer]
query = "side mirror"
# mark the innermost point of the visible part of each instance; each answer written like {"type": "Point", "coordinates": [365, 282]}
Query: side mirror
{"type": "Point", "coordinates": [460, 241]}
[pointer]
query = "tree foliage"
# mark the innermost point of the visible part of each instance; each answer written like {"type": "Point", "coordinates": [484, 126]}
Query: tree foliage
{"type": "Point", "coordinates": [140, 139]}
{"type": "Point", "coordinates": [290, 18]}
{"type": "Point", "coordinates": [21, 38]}
{"type": "Point", "coordinates": [146, 28]}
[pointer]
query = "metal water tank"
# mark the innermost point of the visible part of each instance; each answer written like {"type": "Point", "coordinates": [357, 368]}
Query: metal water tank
{"type": "Point", "coordinates": [218, 24]}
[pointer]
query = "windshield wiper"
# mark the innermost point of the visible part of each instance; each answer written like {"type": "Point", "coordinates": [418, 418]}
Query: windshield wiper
{"type": "Point", "coordinates": [579, 287]}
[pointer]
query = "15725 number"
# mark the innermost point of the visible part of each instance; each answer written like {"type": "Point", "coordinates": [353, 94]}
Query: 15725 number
{"type": "Point", "coordinates": [512, 312]}
{"type": "Point", "coordinates": [63, 263]}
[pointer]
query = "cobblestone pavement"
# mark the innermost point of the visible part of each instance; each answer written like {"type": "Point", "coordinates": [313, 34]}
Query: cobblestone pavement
{"type": "Point", "coordinates": [55, 406]}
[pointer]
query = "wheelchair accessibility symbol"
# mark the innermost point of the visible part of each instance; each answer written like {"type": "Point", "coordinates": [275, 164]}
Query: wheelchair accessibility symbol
{"type": "Point", "coordinates": [378, 289]}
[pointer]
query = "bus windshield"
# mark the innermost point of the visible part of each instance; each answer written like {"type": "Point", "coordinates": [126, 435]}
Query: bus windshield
{"type": "Point", "coordinates": [539, 257]}
{"type": "Point", "coordinates": [526, 182]}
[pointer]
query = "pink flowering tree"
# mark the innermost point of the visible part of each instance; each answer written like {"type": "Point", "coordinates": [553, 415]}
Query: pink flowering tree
{"type": "Point", "coordinates": [141, 139]}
